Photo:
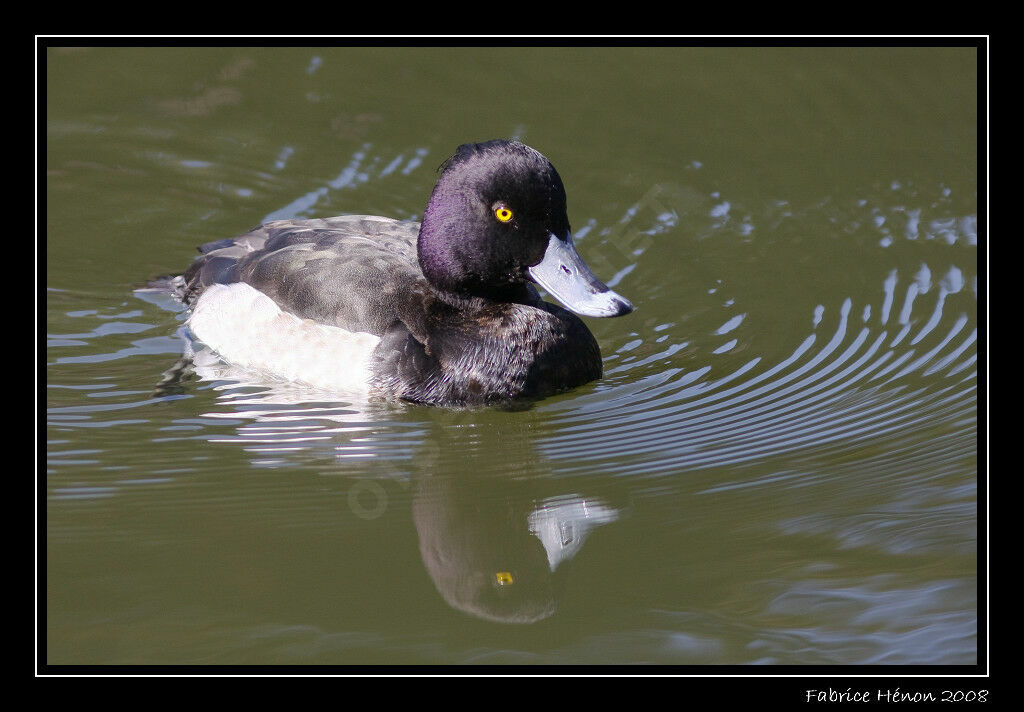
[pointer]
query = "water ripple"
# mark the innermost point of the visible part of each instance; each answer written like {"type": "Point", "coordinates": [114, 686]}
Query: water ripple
{"type": "Point", "coordinates": [854, 385]}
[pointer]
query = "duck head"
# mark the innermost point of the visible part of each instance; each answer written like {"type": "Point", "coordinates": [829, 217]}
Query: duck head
{"type": "Point", "coordinates": [496, 220]}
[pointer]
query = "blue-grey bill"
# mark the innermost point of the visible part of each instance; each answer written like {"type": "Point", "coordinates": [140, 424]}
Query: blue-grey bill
{"type": "Point", "coordinates": [566, 277]}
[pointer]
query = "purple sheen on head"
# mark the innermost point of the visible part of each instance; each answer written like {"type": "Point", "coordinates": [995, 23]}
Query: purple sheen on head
{"type": "Point", "coordinates": [461, 247]}
{"type": "Point", "coordinates": [440, 245]}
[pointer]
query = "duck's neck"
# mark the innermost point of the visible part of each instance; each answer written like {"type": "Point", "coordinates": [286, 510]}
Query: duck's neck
{"type": "Point", "coordinates": [514, 294]}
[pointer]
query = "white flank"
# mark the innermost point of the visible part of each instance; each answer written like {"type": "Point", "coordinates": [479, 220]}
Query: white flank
{"type": "Point", "coordinates": [247, 328]}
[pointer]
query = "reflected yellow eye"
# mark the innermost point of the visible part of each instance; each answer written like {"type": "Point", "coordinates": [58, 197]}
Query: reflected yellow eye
{"type": "Point", "coordinates": [503, 214]}
{"type": "Point", "coordinates": [503, 578]}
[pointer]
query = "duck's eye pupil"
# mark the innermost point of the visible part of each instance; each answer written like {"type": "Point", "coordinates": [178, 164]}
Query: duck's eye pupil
{"type": "Point", "coordinates": [503, 214]}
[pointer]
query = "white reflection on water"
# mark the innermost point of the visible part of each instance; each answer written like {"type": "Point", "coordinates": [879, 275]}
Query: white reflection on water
{"type": "Point", "coordinates": [857, 384]}
{"type": "Point", "coordinates": [563, 523]}
{"type": "Point", "coordinates": [930, 624]}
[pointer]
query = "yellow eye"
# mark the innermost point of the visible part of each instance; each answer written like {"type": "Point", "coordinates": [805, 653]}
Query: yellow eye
{"type": "Point", "coordinates": [503, 578]}
{"type": "Point", "coordinates": [503, 214]}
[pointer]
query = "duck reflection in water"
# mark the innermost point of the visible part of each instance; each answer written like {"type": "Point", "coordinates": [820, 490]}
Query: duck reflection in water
{"type": "Point", "coordinates": [495, 545]}
{"type": "Point", "coordinates": [500, 558]}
